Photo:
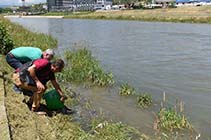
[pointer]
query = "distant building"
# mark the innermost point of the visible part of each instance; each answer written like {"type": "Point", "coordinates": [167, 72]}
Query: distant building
{"type": "Point", "coordinates": [164, 1]}
{"type": "Point", "coordinates": [68, 5]}
{"type": "Point", "coordinates": [58, 4]}
{"type": "Point", "coordinates": [193, 2]}
{"type": "Point", "coordinates": [103, 4]}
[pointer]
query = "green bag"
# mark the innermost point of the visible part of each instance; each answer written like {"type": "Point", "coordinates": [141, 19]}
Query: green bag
{"type": "Point", "coordinates": [52, 99]}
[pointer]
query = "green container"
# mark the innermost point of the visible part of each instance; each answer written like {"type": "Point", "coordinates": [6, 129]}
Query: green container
{"type": "Point", "coordinates": [52, 99]}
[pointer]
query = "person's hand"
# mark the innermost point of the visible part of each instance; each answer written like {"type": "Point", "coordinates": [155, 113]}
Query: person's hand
{"type": "Point", "coordinates": [63, 98]}
{"type": "Point", "coordinates": [40, 86]}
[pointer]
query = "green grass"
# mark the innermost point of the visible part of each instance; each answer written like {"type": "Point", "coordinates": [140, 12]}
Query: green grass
{"type": "Point", "coordinates": [83, 67]}
{"type": "Point", "coordinates": [23, 37]}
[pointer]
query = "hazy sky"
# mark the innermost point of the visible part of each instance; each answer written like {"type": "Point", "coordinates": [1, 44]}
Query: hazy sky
{"type": "Point", "coordinates": [15, 2]}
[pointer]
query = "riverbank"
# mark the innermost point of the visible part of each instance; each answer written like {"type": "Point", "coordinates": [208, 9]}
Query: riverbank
{"type": "Point", "coordinates": [19, 16]}
{"type": "Point", "coordinates": [184, 14]}
{"type": "Point", "coordinates": [190, 14]}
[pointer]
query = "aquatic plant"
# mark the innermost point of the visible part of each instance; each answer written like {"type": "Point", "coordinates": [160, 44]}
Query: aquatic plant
{"type": "Point", "coordinates": [126, 90]}
{"type": "Point", "coordinates": [171, 120]}
{"type": "Point", "coordinates": [114, 131]}
{"type": "Point", "coordinates": [144, 100]}
{"type": "Point", "coordinates": [83, 67]}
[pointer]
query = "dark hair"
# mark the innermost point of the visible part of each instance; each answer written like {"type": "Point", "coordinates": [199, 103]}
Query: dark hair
{"type": "Point", "coordinates": [58, 63]}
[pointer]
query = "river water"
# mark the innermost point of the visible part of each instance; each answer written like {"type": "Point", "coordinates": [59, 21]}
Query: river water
{"type": "Point", "coordinates": [154, 57]}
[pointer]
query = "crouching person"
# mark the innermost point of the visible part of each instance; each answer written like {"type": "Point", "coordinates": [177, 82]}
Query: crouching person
{"type": "Point", "coordinates": [40, 71]}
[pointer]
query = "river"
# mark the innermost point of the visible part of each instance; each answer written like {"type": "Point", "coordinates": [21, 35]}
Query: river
{"type": "Point", "coordinates": [154, 57]}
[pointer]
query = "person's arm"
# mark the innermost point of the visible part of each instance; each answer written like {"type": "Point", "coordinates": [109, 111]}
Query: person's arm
{"type": "Point", "coordinates": [39, 85]}
{"type": "Point", "coordinates": [58, 89]}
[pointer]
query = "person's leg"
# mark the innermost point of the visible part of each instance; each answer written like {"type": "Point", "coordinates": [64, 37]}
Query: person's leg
{"type": "Point", "coordinates": [37, 96]}
{"type": "Point", "coordinates": [35, 102]}
{"type": "Point", "coordinates": [12, 61]}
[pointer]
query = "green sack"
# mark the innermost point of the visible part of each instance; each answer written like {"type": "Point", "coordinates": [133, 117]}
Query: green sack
{"type": "Point", "coordinates": [52, 99]}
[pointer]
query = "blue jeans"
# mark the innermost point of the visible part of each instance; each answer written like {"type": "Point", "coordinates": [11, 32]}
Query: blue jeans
{"type": "Point", "coordinates": [13, 62]}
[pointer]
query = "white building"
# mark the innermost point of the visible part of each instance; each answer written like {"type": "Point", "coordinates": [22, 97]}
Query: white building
{"type": "Point", "coordinates": [103, 4]}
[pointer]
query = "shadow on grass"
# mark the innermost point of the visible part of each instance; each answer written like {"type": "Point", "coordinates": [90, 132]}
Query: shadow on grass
{"type": "Point", "coordinates": [50, 113]}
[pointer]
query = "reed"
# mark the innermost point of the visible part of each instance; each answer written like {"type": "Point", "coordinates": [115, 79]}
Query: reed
{"type": "Point", "coordinates": [170, 118]}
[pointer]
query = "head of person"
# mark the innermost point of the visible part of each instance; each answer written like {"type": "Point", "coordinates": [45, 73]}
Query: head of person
{"type": "Point", "coordinates": [57, 66]}
{"type": "Point", "coordinates": [48, 54]}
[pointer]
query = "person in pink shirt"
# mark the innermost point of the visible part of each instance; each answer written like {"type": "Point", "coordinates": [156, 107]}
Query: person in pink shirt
{"type": "Point", "coordinates": [41, 71]}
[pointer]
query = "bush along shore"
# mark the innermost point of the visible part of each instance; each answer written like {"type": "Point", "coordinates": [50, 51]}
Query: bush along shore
{"type": "Point", "coordinates": [81, 67]}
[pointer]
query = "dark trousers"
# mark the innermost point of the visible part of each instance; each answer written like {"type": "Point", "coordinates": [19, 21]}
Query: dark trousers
{"type": "Point", "coordinates": [12, 61]}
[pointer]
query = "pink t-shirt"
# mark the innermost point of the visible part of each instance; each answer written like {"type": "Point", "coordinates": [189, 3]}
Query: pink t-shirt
{"type": "Point", "coordinates": [43, 70]}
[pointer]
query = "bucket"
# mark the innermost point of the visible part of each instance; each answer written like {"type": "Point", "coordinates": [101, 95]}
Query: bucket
{"type": "Point", "coordinates": [52, 99]}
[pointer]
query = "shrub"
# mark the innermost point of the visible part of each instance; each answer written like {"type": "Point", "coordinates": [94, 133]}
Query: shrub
{"type": "Point", "coordinates": [6, 43]}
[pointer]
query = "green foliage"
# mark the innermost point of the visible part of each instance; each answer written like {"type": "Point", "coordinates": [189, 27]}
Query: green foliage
{"type": "Point", "coordinates": [144, 100]}
{"type": "Point", "coordinates": [23, 37]}
{"type": "Point", "coordinates": [100, 130]}
{"type": "Point", "coordinates": [6, 43]}
{"type": "Point", "coordinates": [114, 131]}
{"type": "Point", "coordinates": [126, 90]}
{"type": "Point", "coordinates": [170, 120]}
{"type": "Point", "coordinates": [5, 10]}
{"type": "Point", "coordinates": [85, 68]}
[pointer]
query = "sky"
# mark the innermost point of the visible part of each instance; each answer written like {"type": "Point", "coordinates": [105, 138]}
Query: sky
{"type": "Point", "coordinates": [18, 2]}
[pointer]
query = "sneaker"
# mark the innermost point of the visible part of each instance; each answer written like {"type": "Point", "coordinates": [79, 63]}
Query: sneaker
{"type": "Point", "coordinates": [66, 110]}
{"type": "Point", "coordinates": [38, 111]}
{"type": "Point", "coordinates": [41, 113]}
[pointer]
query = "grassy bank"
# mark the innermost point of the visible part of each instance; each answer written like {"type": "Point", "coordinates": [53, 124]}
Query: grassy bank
{"type": "Point", "coordinates": [23, 37]}
{"type": "Point", "coordinates": [191, 14]}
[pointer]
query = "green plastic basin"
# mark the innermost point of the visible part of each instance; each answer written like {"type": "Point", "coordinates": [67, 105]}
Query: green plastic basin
{"type": "Point", "coordinates": [52, 99]}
